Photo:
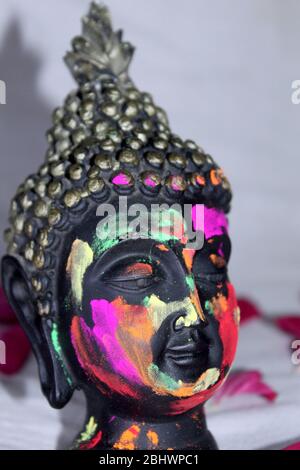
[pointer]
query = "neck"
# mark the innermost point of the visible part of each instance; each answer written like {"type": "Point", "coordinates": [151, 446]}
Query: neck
{"type": "Point", "coordinates": [105, 430]}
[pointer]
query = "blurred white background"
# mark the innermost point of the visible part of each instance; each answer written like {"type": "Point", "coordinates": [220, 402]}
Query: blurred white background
{"type": "Point", "coordinates": [223, 71]}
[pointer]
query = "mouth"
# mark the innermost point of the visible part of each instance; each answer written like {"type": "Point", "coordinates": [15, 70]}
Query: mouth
{"type": "Point", "coordinates": [190, 365]}
{"type": "Point", "coordinates": [186, 353]}
{"type": "Point", "coordinates": [184, 358]}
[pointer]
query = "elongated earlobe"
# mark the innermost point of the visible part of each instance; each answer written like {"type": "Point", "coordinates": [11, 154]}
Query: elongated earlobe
{"type": "Point", "coordinates": [54, 381]}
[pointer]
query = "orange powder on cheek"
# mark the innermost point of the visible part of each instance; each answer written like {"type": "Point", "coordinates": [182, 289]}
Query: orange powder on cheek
{"type": "Point", "coordinates": [134, 334]}
{"type": "Point", "coordinates": [134, 320]}
{"type": "Point", "coordinates": [219, 305]}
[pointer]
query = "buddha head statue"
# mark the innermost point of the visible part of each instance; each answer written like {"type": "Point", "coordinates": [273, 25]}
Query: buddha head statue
{"type": "Point", "coordinates": [115, 297]}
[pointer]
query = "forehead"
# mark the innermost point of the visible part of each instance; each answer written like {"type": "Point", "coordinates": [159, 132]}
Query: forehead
{"type": "Point", "coordinates": [163, 222]}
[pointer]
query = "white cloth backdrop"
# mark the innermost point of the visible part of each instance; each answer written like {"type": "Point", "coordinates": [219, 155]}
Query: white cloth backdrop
{"type": "Point", "coordinates": [223, 71]}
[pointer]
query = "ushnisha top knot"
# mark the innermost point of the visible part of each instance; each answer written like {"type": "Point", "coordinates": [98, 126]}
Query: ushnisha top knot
{"type": "Point", "coordinates": [107, 137]}
{"type": "Point", "coordinates": [99, 51]}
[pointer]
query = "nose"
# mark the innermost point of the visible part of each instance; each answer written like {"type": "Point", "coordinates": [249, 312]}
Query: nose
{"type": "Point", "coordinates": [184, 319]}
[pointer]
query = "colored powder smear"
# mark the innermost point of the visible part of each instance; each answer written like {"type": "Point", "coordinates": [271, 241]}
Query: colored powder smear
{"type": "Point", "coordinates": [189, 319]}
{"type": "Point", "coordinates": [151, 182]}
{"type": "Point", "coordinates": [81, 257]}
{"type": "Point", "coordinates": [100, 245]}
{"type": "Point", "coordinates": [217, 305]}
{"type": "Point", "coordinates": [166, 226]}
{"type": "Point", "coordinates": [92, 443]}
{"type": "Point", "coordinates": [177, 183]}
{"type": "Point", "coordinates": [88, 438]}
{"type": "Point", "coordinates": [188, 256]}
{"type": "Point", "coordinates": [162, 247]}
{"type": "Point", "coordinates": [161, 379]}
{"type": "Point", "coordinates": [153, 437]}
{"type": "Point", "coordinates": [207, 379]}
{"type": "Point", "coordinates": [215, 222]}
{"type": "Point", "coordinates": [190, 282]}
{"type": "Point", "coordinates": [158, 310]}
{"type": "Point", "coordinates": [121, 179]}
{"type": "Point", "coordinates": [90, 430]}
{"type": "Point", "coordinates": [58, 350]}
{"type": "Point", "coordinates": [218, 261]}
{"type": "Point", "coordinates": [128, 438]}
{"type": "Point", "coordinates": [142, 269]}
{"type": "Point", "coordinates": [90, 356]}
{"type": "Point", "coordinates": [106, 324]}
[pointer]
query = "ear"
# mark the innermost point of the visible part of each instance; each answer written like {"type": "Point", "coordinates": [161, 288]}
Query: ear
{"type": "Point", "coordinates": [55, 384]}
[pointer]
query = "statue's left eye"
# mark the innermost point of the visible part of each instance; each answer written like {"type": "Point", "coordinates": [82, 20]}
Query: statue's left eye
{"type": "Point", "coordinates": [133, 276]}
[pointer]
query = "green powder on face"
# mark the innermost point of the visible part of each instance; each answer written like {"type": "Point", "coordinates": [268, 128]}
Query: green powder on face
{"type": "Point", "coordinates": [209, 307]}
{"type": "Point", "coordinates": [108, 235]}
{"type": "Point", "coordinates": [190, 282]}
{"type": "Point", "coordinates": [113, 231]}
{"type": "Point", "coordinates": [161, 379]}
{"type": "Point", "coordinates": [146, 301]}
{"type": "Point", "coordinates": [90, 430]}
{"type": "Point", "coordinates": [99, 246]}
{"type": "Point", "coordinates": [207, 379]}
{"type": "Point", "coordinates": [58, 350]}
{"type": "Point", "coordinates": [55, 340]}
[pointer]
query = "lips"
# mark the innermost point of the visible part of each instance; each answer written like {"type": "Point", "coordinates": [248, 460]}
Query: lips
{"type": "Point", "coordinates": [185, 356]}
{"type": "Point", "coordinates": [184, 360]}
{"type": "Point", "coordinates": [184, 353]}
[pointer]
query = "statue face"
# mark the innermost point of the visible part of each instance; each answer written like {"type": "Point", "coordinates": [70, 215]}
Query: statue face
{"type": "Point", "coordinates": [151, 320]}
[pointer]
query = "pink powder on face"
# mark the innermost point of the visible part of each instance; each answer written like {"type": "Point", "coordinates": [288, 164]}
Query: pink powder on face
{"type": "Point", "coordinates": [121, 179]}
{"type": "Point", "coordinates": [104, 331]}
{"type": "Point", "coordinates": [214, 222]}
{"type": "Point", "coordinates": [220, 250]}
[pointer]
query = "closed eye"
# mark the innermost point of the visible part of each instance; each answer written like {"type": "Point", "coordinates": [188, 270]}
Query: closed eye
{"type": "Point", "coordinates": [208, 284]}
{"type": "Point", "coordinates": [214, 278]}
{"type": "Point", "coordinates": [133, 277]}
{"type": "Point", "coordinates": [132, 284]}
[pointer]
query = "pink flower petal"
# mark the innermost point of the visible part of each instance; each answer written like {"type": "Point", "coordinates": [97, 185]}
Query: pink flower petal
{"type": "Point", "coordinates": [289, 324]}
{"type": "Point", "coordinates": [245, 382]}
{"type": "Point", "coordinates": [248, 310]}
{"type": "Point", "coordinates": [295, 446]}
{"type": "Point", "coordinates": [7, 315]}
{"type": "Point", "coordinates": [17, 349]}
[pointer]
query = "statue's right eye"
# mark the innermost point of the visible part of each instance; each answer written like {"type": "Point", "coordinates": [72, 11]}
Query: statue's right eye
{"type": "Point", "coordinates": [132, 276]}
